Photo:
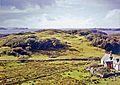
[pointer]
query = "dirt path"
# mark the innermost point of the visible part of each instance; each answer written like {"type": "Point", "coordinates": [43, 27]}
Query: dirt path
{"type": "Point", "coordinates": [71, 59]}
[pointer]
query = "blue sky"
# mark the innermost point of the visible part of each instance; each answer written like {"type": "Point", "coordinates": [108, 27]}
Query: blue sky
{"type": "Point", "coordinates": [60, 13]}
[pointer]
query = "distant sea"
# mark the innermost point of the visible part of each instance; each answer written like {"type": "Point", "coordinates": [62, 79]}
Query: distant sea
{"type": "Point", "coordinates": [110, 31]}
{"type": "Point", "coordinates": [10, 31]}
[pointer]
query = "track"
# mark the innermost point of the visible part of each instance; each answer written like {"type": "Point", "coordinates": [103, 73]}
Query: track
{"type": "Point", "coordinates": [71, 59]}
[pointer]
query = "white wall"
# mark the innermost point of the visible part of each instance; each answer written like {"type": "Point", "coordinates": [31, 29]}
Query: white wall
{"type": "Point", "coordinates": [116, 67]}
{"type": "Point", "coordinates": [102, 61]}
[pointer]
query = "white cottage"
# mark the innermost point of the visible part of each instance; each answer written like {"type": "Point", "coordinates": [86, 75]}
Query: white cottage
{"type": "Point", "coordinates": [110, 61]}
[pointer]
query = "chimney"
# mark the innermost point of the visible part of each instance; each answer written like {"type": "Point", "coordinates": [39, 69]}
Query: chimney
{"type": "Point", "coordinates": [117, 60]}
{"type": "Point", "coordinates": [110, 53]}
{"type": "Point", "coordinates": [111, 58]}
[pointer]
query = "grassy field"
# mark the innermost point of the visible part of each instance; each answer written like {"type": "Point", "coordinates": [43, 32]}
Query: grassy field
{"type": "Point", "coordinates": [57, 72]}
{"type": "Point", "coordinates": [37, 72]}
{"type": "Point", "coordinates": [51, 73]}
{"type": "Point", "coordinates": [80, 47]}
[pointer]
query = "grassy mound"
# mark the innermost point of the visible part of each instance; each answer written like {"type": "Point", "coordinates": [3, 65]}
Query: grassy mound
{"type": "Point", "coordinates": [48, 44]}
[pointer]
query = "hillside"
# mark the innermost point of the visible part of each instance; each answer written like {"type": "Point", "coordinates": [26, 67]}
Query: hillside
{"type": "Point", "coordinates": [46, 44]}
{"type": "Point", "coordinates": [53, 44]}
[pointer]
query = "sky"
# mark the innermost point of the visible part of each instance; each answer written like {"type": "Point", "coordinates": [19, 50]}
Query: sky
{"type": "Point", "coordinates": [60, 13]}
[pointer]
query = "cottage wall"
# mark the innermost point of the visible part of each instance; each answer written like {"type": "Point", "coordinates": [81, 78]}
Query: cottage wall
{"type": "Point", "coordinates": [116, 67]}
{"type": "Point", "coordinates": [105, 65]}
{"type": "Point", "coordinates": [102, 61]}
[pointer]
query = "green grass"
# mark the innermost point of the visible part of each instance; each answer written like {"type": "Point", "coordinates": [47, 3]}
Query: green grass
{"type": "Point", "coordinates": [6, 57]}
{"type": "Point", "coordinates": [107, 81]}
{"type": "Point", "coordinates": [57, 73]}
{"type": "Point", "coordinates": [30, 70]}
{"type": "Point", "coordinates": [80, 46]}
{"type": "Point", "coordinates": [79, 43]}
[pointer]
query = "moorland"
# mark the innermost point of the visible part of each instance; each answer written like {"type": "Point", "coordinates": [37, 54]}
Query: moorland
{"type": "Point", "coordinates": [20, 52]}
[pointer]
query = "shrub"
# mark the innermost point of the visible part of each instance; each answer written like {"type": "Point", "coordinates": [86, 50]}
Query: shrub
{"type": "Point", "coordinates": [24, 45]}
{"type": "Point", "coordinates": [4, 50]}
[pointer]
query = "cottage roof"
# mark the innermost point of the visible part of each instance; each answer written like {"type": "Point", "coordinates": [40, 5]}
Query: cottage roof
{"type": "Point", "coordinates": [114, 58]}
{"type": "Point", "coordinates": [109, 60]}
{"type": "Point", "coordinates": [106, 57]}
{"type": "Point", "coordinates": [115, 61]}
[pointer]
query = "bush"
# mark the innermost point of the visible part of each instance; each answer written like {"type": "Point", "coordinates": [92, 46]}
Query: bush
{"type": "Point", "coordinates": [4, 50]}
{"type": "Point", "coordinates": [24, 45]}
{"type": "Point", "coordinates": [109, 43]}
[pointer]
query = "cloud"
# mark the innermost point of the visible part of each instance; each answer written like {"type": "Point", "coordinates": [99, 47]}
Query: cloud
{"type": "Point", "coordinates": [110, 20]}
{"type": "Point", "coordinates": [66, 22]}
{"type": "Point", "coordinates": [59, 13]}
{"type": "Point", "coordinates": [47, 21]}
{"type": "Point", "coordinates": [113, 14]}
{"type": "Point", "coordinates": [22, 4]}
{"type": "Point", "coordinates": [29, 21]}
{"type": "Point", "coordinates": [113, 18]}
{"type": "Point", "coordinates": [13, 10]}
{"type": "Point", "coordinates": [111, 4]}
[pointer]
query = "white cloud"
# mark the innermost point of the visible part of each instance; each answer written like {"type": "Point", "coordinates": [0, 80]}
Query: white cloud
{"type": "Point", "coordinates": [13, 9]}
{"type": "Point", "coordinates": [110, 20]}
{"type": "Point", "coordinates": [59, 14]}
{"type": "Point", "coordinates": [66, 22]}
{"type": "Point", "coordinates": [23, 4]}
{"type": "Point", "coordinates": [32, 21]}
{"type": "Point", "coordinates": [113, 18]}
{"type": "Point", "coordinates": [44, 22]}
{"type": "Point", "coordinates": [113, 14]}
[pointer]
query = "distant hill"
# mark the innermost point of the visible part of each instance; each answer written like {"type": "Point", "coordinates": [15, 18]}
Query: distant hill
{"type": "Point", "coordinates": [15, 30]}
{"type": "Point", "coordinates": [3, 35]}
{"type": "Point", "coordinates": [2, 28]}
{"type": "Point", "coordinates": [109, 30]}
{"type": "Point", "coordinates": [19, 28]}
